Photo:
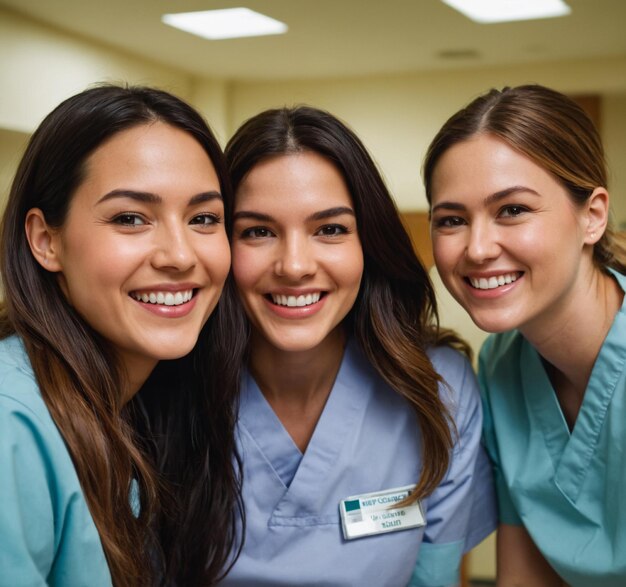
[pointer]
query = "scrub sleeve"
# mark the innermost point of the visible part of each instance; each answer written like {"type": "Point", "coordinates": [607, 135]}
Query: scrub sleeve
{"type": "Point", "coordinates": [47, 535]}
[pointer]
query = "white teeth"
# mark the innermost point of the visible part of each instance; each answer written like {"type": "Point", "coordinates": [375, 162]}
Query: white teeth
{"type": "Point", "coordinates": [493, 282]}
{"type": "Point", "coordinates": [167, 298]}
{"type": "Point", "coordinates": [296, 301]}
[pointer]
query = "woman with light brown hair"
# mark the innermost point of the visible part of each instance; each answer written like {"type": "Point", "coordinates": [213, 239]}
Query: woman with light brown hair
{"type": "Point", "coordinates": [359, 425]}
{"type": "Point", "coordinates": [517, 186]}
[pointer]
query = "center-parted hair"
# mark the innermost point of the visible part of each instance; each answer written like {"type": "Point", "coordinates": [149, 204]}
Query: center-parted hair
{"type": "Point", "coordinates": [394, 317]}
{"type": "Point", "coordinates": [174, 441]}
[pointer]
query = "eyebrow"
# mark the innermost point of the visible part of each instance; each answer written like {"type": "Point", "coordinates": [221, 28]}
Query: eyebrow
{"type": "Point", "coordinates": [492, 198]}
{"type": "Point", "coordinates": [150, 198]}
{"type": "Point", "coordinates": [321, 215]}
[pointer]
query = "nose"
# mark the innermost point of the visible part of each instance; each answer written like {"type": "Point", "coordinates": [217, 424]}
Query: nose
{"type": "Point", "coordinates": [173, 250]}
{"type": "Point", "coordinates": [483, 243]}
{"type": "Point", "coordinates": [296, 258]}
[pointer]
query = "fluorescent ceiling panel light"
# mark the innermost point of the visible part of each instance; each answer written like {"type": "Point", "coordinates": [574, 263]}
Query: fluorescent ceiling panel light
{"type": "Point", "coordinates": [488, 11]}
{"type": "Point", "coordinates": [229, 23]}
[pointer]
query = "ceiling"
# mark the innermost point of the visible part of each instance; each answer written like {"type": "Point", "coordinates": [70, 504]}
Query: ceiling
{"type": "Point", "coordinates": [331, 38]}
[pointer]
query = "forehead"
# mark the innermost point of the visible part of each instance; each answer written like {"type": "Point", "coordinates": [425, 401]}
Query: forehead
{"type": "Point", "coordinates": [291, 182]}
{"type": "Point", "coordinates": [150, 147]}
{"type": "Point", "coordinates": [483, 165]}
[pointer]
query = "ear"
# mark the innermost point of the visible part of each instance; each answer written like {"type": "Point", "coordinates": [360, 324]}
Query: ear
{"type": "Point", "coordinates": [596, 215]}
{"type": "Point", "coordinates": [43, 240]}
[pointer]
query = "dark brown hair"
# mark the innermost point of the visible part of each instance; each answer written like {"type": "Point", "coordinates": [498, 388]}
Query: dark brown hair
{"type": "Point", "coordinates": [394, 317]}
{"type": "Point", "coordinates": [552, 131]}
{"type": "Point", "coordinates": [175, 438]}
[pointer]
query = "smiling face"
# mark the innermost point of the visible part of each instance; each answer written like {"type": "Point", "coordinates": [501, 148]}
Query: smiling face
{"type": "Point", "coordinates": [297, 257]}
{"type": "Point", "coordinates": [143, 255]}
{"type": "Point", "coordinates": [508, 241]}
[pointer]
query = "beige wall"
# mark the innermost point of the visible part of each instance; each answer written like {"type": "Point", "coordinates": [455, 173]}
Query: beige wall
{"type": "Point", "coordinates": [614, 135]}
{"type": "Point", "coordinates": [397, 116]}
{"type": "Point", "coordinates": [41, 66]}
{"type": "Point", "coordinates": [12, 144]}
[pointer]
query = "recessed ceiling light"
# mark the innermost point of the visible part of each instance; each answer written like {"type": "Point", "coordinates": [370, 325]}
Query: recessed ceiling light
{"type": "Point", "coordinates": [488, 11]}
{"type": "Point", "coordinates": [225, 24]}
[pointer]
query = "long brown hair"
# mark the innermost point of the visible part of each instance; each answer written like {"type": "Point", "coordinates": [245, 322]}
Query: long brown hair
{"type": "Point", "coordinates": [173, 442]}
{"type": "Point", "coordinates": [394, 317]}
{"type": "Point", "coordinates": [552, 131]}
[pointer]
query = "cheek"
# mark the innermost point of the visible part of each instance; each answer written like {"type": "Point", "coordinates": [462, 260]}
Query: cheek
{"type": "Point", "coordinates": [247, 266]}
{"type": "Point", "coordinates": [216, 260]}
{"type": "Point", "coordinates": [349, 266]}
{"type": "Point", "coordinates": [447, 251]}
{"type": "Point", "coordinates": [535, 244]}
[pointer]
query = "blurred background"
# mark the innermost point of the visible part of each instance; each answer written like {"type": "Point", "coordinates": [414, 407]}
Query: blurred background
{"type": "Point", "coordinates": [393, 70]}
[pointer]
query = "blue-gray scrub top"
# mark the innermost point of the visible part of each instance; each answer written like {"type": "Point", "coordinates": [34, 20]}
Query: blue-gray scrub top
{"type": "Point", "coordinates": [47, 535]}
{"type": "Point", "coordinates": [367, 439]}
{"type": "Point", "coordinates": [567, 489]}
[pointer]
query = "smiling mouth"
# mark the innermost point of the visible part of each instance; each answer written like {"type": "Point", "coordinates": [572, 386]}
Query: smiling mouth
{"type": "Point", "coordinates": [493, 282]}
{"type": "Point", "coordinates": [163, 298]}
{"type": "Point", "coordinates": [295, 301]}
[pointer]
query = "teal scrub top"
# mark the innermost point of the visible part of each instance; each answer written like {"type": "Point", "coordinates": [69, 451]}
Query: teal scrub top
{"type": "Point", "coordinates": [47, 535]}
{"type": "Point", "coordinates": [567, 489]}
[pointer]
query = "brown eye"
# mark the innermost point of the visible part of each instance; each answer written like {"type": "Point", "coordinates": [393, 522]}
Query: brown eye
{"type": "Point", "coordinates": [332, 230]}
{"type": "Point", "coordinates": [449, 222]}
{"type": "Point", "coordinates": [205, 220]}
{"type": "Point", "coordinates": [513, 211]}
{"type": "Point", "coordinates": [129, 219]}
{"type": "Point", "coordinates": [256, 232]}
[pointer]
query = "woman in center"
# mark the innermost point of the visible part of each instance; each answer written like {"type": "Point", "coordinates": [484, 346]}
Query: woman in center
{"type": "Point", "coordinates": [350, 388]}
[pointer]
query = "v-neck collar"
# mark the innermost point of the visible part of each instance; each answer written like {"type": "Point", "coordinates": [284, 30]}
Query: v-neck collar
{"type": "Point", "coordinates": [268, 432]}
{"type": "Point", "coordinates": [571, 453]}
{"type": "Point", "coordinates": [301, 473]}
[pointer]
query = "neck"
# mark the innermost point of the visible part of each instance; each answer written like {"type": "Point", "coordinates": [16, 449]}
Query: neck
{"type": "Point", "coordinates": [135, 372]}
{"type": "Point", "coordinates": [569, 342]}
{"type": "Point", "coordinates": [297, 384]}
{"type": "Point", "coordinates": [296, 375]}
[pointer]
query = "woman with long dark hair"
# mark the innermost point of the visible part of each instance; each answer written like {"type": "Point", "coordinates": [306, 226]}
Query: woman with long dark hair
{"type": "Point", "coordinates": [521, 237]}
{"type": "Point", "coordinates": [113, 256]}
{"type": "Point", "coordinates": [359, 425]}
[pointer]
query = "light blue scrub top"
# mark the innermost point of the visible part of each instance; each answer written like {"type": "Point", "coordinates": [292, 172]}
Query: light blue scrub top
{"type": "Point", "coordinates": [367, 439]}
{"type": "Point", "coordinates": [47, 535]}
{"type": "Point", "coordinates": [567, 489]}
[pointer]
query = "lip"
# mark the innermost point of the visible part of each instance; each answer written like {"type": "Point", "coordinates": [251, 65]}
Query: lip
{"type": "Point", "coordinates": [171, 287]}
{"type": "Point", "coordinates": [293, 291]}
{"type": "Point", "coordinates": [495, 292]}
{"type": "Point", "coordinates": [491, 273]}
{"type": "Point", "coordinates": [163, 311]}
{"type": "Point", "coordinates": [295, 312]}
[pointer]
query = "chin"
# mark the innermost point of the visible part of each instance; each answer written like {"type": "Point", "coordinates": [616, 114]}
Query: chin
{"type": "Point", "coordinates": [493, 326]}
{"type": "Point", "coordinates": [296, 344]}
{"type": "Point", "coordinates": [174, 353]}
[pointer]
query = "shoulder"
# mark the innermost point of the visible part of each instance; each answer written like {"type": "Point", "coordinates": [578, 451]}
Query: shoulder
{"type": "Point", "coordinates": [25, 421]}
{"type": "Point", "coordinates": [454, 368]}
{"type": "Point", "coordinates": [14, 363]}
{"type": "Point", "coordinates": [459, 388]}
{"type": "Point", "coordinates": [500, 351]}
{"type": "Point", "coordinates": [19, 392]}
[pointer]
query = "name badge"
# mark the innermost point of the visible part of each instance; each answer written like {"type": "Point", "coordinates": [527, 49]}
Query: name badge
{"type": "Point", "coordinates": [374, 513]}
